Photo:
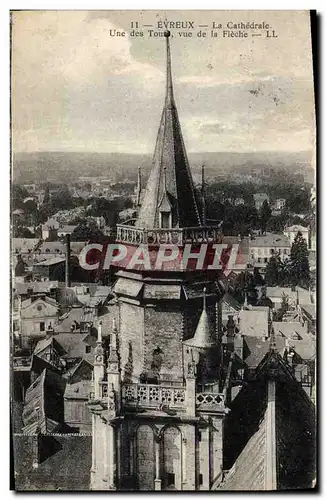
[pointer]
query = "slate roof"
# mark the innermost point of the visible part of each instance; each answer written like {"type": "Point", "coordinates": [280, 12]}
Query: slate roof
{"type": "Point", "coordinates": [74, 317]}
{"type": "Point", "coordinates": [204, 335]}
{"type": "Point", "coordinates": [36, 286]}
{"type": "Point", "coordinates": [50, 262]}
{"type": "Point", "coordinates": [170, 175]}
{"type": "Point", "coordinates": [249, 471]}
{"type": "Point", "coordinates": [277, 292]}
{"type": "Point", "coordinates": [270, 240]}
{"type": "Point", "coordinates": [258, 349]}
{"type": "Point", "coordinates": [254, 321]}
{"type": "Point", "coordinates": [23, 245]}
{"type": "Point", "coordinates": [248, 439]}
{"type": "Point", "coordinates": [75, 345]}
{"type": "Point", "coordinates": [310, 310]}
{"type": "Point", "coordinates": [65, 463]}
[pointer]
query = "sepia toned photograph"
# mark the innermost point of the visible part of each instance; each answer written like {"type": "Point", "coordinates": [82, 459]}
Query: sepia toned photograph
{"type": "Point", "coordinates": [163, 250]}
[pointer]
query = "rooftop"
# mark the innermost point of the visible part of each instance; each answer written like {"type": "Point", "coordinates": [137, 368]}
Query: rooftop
{"type": "Point", "coordinates": [50, 262]}
{"type": "Point", "coordinates": [254, 322]}
{"type": "Point", "coordinates": [270, 240]}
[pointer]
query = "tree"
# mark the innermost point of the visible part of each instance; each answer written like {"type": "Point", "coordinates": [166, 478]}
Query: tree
{"type": "Point", "coordinates": [245, 284]}
{"type": "Point", "coordinates": [299, 272]}
{"type": "Point", "coordinates": [22, 232]}
{"type": "Point", "coordinates": [265, 215]}
{"type": "Point", "coordinates": [277, 272]}
{"type": "Point", "coordinates": [274, 270]}
{"type": "Point", "coordinates": [278, 316]}
{"type": "Point", "coordinates": [84, 233]}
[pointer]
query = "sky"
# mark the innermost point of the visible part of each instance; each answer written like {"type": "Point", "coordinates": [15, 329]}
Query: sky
{"type": "Point", "coordinates": [76, 88]}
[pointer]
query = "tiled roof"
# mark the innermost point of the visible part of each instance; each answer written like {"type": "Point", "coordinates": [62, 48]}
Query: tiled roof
{"type": "Point", "coordinates": [290, 329]}
{"type": "Point", "coordinates": [310, 309]}
{"type": "Point", "coordinates": [23, 245]}
{"type": "Point", "coordinates": [75, 345]}
{"type": "Point", "coordinates": [50, 262]}
{"type": "Point", "coordinates": [249, 470]}
{"type": "Point", "coordinates": [36, 286]}
{"type": "Point", "coordinates": [296, 228]}
{"type": "Point", "coordinates": [67, 468]}
{"type": "Point", "coordinates": [254, 321]}
{"type": "Point", "coordinates": [270, 240]}
{"type": "Point", "coordinates": [258, 349]}
{"type": "Point", "coordinates": [279, 292]}
{"type": "Point", "coordinates": [73, 318]}
{"type": "Point", "coordinates": [261, 196]}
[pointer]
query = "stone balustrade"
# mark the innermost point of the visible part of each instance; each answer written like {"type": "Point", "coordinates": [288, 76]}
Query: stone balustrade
{"type": "Point", "coordinates": [174, 236]}
{"type": "Point", "coordinates": [155, 396]}
{"type": "Point", "coordinates": [147, 395]}
{"type": "Point", "coordinates": [209, 401]}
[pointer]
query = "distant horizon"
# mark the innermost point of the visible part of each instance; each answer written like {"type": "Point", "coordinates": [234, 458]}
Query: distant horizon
{"type": "Point", "coordinates": [302, 151]}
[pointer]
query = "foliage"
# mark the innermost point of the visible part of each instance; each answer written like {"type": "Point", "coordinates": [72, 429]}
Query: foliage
{"type": "Point", "coordinates": [264, 216]}
{"type": "Point", "coordinates": [85, 233]}
{"type": "Point", "coordinates": [22, 232]}
{"type": "Point", "coordinates": [245, 284]}
{"type": "Point", "coordinates": [299, 273]}
{"type": "Point", "coordinates": [278, 316]}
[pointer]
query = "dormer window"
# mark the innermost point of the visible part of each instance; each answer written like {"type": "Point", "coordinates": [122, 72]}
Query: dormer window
{"type": "Point", "coordinates": [165, 220]}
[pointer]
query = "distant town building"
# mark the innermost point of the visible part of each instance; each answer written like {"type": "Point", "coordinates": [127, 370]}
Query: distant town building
{"type": "Point", "coordinates": [292, 231]}
{"type": "Point", "coordinates": [37, 315]}
{"type": "Point", "coordinates": [64, 230]}
{"type": "Point", "coordinates": [261, 248]}
{"type": "Point", "coordinates": [50, 229]}
{"type": "Point", "coordinates": [259, 199]}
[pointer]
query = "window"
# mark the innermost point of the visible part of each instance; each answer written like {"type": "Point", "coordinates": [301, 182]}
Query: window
{"type": "Point", "coordinates": [88, 349]}
{"type": "Point", "coordinates": [200, 479]}
{"type": "Point", "coordinates": [165, 220]}
{"type": "Point", "coordinates": [266, 259]}
{"type": "Point", "coordinates": [42, 326]}
{"type": "Point", "coordinates": [170, 479]}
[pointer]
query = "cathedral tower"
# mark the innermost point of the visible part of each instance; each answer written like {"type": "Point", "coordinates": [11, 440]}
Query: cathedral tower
{"type": "Point", "coordinates": [158, 409]}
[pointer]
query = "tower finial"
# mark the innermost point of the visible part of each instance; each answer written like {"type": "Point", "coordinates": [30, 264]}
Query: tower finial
{"type": "Point", "coordinates": [99, 333]}
{"type": "Point", "coordinates": [272, 343]}
{"type": "Point", "coordinates": [169, 87]}
{"type": "Point", "coordinates": [204, 298]}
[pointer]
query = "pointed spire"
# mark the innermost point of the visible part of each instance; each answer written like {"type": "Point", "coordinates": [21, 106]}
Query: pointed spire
{"type": "Point", "coordinates": [203, 198]}
{"type": "Point", "coordinates": [169, 99]}
{"type": "Point", "coordinates": [204, 334]}
{"type": "Point", "coordinates": [272, 342]}
{"type": "Point", "coordinates": [138, 192]}
{"type": "Point", "coordinates": [176, 180]}
{"type": "Point", "coordinates": [113, 356]}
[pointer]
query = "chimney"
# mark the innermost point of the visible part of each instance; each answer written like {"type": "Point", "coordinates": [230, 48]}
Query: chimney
{"type": "Point", "coordinates": [67, 260]}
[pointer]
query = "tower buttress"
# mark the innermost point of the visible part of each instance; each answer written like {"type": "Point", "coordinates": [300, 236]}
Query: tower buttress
{"type": "Point", "coordinates": [99, 367]}
{"type": "Point", "coordinates": [113, 369]}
